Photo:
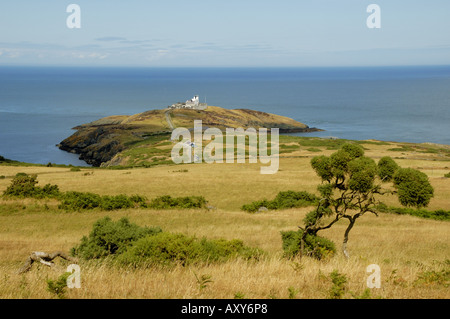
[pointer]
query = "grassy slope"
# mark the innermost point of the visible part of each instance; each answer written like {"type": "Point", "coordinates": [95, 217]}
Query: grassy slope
{"type": "Point", "coordinates": [405, 246]}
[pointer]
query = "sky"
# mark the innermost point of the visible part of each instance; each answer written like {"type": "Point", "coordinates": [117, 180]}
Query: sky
{"type": "Point", "coordinates": [226, 33]}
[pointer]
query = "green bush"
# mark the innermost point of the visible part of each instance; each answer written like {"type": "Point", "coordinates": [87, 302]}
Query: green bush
{"type": "Point", "coordinates": [24, 186]}
{"type": "Point", "coordinates": [339, 287]}
{"type": "Point", "coordinates": [168, 249]}
{"type": "Point", "coordinates": [284, 200]}
{"type": "Point", "coordinates": [79, 201]}
{"type": "Point", "coordinates": [413, 187]}
{"type": "Point", "coordinates": [108, 238]}
{"type": "Point", "coordinates": [116, 202]}
{"type": "Point", "coordinates": [315, 246]}
{"type": "Point", "coordinates": [168, 202]}
{"type": "Point", "coordinates": [75, 169]}
{"type": "Point", "coordinates": [254, 206]}
{"type": "Point", "coordinates": [447, 175]}
{"type": "Point", "coordinates": [58, 286]}
{"type": "Point", "coordinates": [139, 200]}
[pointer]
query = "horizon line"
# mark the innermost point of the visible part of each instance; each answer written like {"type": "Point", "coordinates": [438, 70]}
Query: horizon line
{"type": "Point", "coordinates": [221, 66]}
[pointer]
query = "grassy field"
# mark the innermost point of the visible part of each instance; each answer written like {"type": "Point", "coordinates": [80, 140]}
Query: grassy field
{"type": "Point", "coordinates": [413, 253]}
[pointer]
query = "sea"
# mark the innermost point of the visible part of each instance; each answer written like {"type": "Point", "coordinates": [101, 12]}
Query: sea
{"type": "Point", "coordinates": [39, 106]}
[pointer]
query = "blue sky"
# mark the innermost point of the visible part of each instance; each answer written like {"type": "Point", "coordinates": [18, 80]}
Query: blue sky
{"type": "Point", "coordinates": [224, 33]}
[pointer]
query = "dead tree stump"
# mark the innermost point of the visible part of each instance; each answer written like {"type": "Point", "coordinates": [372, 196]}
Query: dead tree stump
{"type": "Point", "coordinates": [44, 258]}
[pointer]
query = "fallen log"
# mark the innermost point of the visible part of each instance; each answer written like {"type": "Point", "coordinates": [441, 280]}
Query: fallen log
{"type": "Point", "coordinates": [44, 258]}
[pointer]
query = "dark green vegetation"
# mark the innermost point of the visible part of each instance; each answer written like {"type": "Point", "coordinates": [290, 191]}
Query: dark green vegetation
{"type": "Point", "coordinates": [58, 286]}
{"type": "Point", "coordinates": [439, 214]}
{"type": "Point", "coordinates": [24, 186]}
{"type": "Point", "coordinates": [130, 244]}
{"type": "Point", "coordinates": [284, 200]}
{"type": "Point", "coordinates": [108, 237]}
{"type": "Point", "coordinates": [8, 162]}
{"type": "Point", "coordinates": [339, 286]}
{"type": "Point", "coordinates": [168, 202]}
{"type": "Point", "coordinates": [167, 249]}
{"type": "Point", "coordinates": [75, 201]}
{"type": "Point", "coordinates": [314, 246]}
{"type": "Point", "coordinates": [413, 187]}
{"type": "Point", "coordinates": [421, 148]}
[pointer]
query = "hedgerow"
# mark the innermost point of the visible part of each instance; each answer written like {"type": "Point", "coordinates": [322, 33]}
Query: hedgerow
{"type": "Point", "coordinates": [284, 200]}
{"type": "Point", "coordinates": [24, 186]}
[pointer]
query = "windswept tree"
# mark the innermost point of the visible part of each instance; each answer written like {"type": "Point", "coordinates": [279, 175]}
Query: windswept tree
{"type": "Point", "coordinates": [350, 188]}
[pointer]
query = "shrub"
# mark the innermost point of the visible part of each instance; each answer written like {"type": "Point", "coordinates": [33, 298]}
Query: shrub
{"type": "Point", "coordinates": [58, 286]}
{"type": "Point", "coordinates": [447, 175]}
{"type": "Point", "coordinates": [284, 200]}
{"type": "Point", "coordinates": [339, 285]}
{"type": "Point", "coordinates": [441, 277]}
{"type": "Point", "coordinates": [315, 246]}
{"type": "Point", "coordinates": [168, 202]}
{"type": "Point", "coordinates": [290, 199]}
{"type": "Point", "coordinates": [24, 185]}
{"type": "Point", "coordinates": [116, 202]}
{"type": "Point", "coordinates": [79, 200]}
{"type": "Point", "coordinates": [108, 237]}
{"type": "Point", "coordinates": [75, 169]}
{"type": "Point", "coordinates": [167, 249]}
{"type": "Point", "coordinates": [254, 206]}
{"type": "Point", "coordinates": [139, 200]}
{"type": "Point", "coordinates": [413, 187]}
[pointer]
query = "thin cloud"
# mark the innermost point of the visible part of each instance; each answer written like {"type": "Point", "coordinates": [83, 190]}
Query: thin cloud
{"type": "Point", "coordinates": [111, 39]}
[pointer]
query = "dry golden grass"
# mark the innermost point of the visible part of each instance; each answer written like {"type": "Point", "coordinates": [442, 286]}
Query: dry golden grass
{"type": "Point", "coordinates": [403, 246]}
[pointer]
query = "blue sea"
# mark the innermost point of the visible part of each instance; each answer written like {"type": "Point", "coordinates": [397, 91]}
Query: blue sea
{"type": "Point", "coordinates": [39, 106]}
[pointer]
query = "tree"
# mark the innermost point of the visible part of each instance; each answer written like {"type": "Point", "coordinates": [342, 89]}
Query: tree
{"type": "Point", "coordinates": [387, 168]}
{"type": "Point", "coordinates": [350, 186]}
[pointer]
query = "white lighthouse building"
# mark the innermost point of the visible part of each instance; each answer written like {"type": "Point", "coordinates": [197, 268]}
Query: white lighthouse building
{"type": "Point", "coordinates": [193, 103]}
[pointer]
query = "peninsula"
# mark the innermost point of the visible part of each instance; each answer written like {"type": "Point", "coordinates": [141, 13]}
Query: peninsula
{"type": "Point", "coordinates": [145, 137]}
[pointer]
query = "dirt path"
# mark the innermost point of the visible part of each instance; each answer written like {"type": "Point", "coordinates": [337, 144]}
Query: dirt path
{"type": "Point", "coordinates": [169, 120]}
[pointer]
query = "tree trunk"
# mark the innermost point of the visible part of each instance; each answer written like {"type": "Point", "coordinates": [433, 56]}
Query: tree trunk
{"type": "Point", "coordinates": [344, 244]}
